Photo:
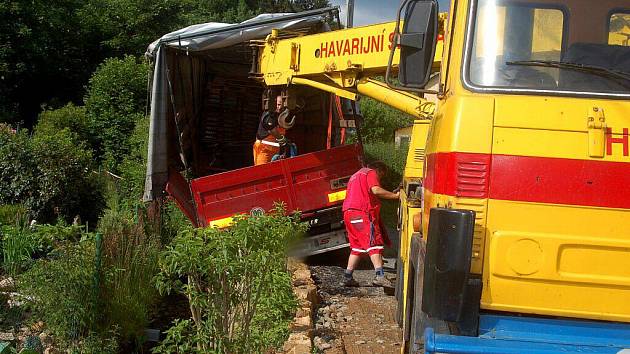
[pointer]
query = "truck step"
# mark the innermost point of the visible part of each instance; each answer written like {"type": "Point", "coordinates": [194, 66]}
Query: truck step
{"type": "Point", "coordinates": [514, 334]}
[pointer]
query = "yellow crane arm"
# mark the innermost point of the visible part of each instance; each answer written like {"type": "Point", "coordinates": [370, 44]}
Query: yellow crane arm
{"type": "Point", "coordinates": [340, 62]}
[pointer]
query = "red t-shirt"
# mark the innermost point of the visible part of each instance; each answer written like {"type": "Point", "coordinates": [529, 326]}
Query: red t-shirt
{"type": "Point", "coordinates": [359, 194]}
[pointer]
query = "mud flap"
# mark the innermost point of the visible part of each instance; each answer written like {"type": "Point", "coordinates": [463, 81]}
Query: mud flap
{"type": "Point", "coordinates": [450, 292]}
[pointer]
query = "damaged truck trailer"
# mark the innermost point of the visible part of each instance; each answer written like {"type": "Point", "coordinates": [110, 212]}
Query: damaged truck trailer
{"type": "Point", "coordinates": [205, 111]}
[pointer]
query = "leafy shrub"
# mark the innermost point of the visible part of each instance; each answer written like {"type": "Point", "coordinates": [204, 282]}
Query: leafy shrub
{"type": "Point", "coordinates": [48, 237]}
{"type": "Point", "coordinates": [66, 290]}
{"type": "Point", "coordinates": [232, 277]}
{"type": "Point", "coordinates": [115, 101]}
{"type": "Point", "coordinates": [102, 299]}
{"type": "Point", "coordinates": [381, 121]}
{"type": "Point", "coordinates": [50, 175]}
{"type": "Point", "coordinates": [69, 117]}
{"type": "Point", "coordinates": [275, 309]}
{"type": "Point", "coordinates": [393, 157]}
{"type": "Point", "coordinates": [18, 174]}
{"type": "Point", "coordinates": [65, 185]}
{"type": "Point", "coordinates": [133, 166]}
{"type": "Point", "coordinates": [62, 290]}
{"type": "Point", "coordinates": [173, 221]}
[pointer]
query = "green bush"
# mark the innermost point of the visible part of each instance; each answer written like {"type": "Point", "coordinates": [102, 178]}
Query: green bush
{"type": "Point", "coordinates": [173, 221]}
{"type": "Point", "coordinates": [393, 157]}
{"type": "Point", "coordinates": [66, 291]}
{"type": "Point", "coordinates": [381, 121]}
{"type": "Point", "coordinates": [62, 290]}
{"type": "Point", "coordinates": [50, 174]}
{"type": "Point", "coordinates": [69, 117]}
{"type": "Point", "coordinates": [276, 309]}
{"type": "Point", "coordinates": [105, 302]}
{"type": "Point", "coordinates": [133, 166]}
{"type": "Point", "coordinates": [48, 237]}
{"type": "Point", "coordinates": [115, 101]}
{"type": "Point", "coordinates": [236, 282]}
{"type": "Point", "coordinates": [66, 187]}
{"type": "Point", "coordinates": [18, 170]}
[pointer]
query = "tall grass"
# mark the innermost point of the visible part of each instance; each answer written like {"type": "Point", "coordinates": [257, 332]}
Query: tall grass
{"type": "Point", "coordinates": [16, 240]}
{"type": "Point", "coordinates": [12, 214]}
{"type": "Point", "coordinates": [130, 257]}
{"type": "Point", "coordinates": [17, 248]}
{"type": "Point", "coordinates": [89, 291]}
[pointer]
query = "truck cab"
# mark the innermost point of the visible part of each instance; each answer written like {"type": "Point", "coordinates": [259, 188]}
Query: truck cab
{"type": "Point", "coordinates": [522, 233]}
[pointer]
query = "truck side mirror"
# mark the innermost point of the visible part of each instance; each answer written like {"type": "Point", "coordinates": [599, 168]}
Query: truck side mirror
{"type": "Point", "coordinates": [416, 41]}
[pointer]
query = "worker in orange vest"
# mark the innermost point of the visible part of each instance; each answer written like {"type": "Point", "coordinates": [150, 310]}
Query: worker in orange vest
{"type": "Point", "coordinates": [270, 135]}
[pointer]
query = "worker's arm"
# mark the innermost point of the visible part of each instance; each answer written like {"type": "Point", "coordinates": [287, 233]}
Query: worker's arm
{"type": "Point", "coordinates": [384, 193]}
{"type": "Point", "coordinates": [276, 134]}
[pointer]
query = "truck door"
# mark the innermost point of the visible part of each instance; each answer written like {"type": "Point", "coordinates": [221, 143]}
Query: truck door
{"type": "Point", "coordinates": [558, 226]}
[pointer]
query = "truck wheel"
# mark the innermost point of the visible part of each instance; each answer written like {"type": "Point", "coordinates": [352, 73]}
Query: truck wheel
{"type": "Point", "coordinates": [420, 320]}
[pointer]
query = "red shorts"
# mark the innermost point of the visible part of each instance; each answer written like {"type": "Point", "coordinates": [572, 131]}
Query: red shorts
{"type": "Point", "coordinates": [364, 233]}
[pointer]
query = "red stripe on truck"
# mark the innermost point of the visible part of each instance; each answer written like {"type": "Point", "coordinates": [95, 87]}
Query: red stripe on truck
{"type": "Point", "coordinates": [458, 174]}
{"type": "Point", "coordinates": [530, 179]}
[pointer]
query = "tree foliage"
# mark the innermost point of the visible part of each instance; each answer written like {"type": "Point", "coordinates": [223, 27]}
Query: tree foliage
{"type": "Point", "coordinates": [127, 26]}
{"type": "Point", "coordinates": [116, 100]}
{"type": "Point", "coordinates": [46, 56]}
{"type": "Point", "coordinates": [380, 121]}
{"type": "Point", "coordinates": [48, 50]}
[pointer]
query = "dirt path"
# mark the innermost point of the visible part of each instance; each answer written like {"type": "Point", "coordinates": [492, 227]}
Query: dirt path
{"type": "Point", "coordinates": [354, 320]}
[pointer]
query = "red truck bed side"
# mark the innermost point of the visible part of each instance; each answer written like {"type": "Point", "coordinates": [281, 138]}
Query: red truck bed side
{"type": "Point", "coordinates": [303, 183]}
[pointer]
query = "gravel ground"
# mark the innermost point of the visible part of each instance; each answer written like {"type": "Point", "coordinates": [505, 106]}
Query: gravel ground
{"type": "Point", "coordinates": [354, 320]}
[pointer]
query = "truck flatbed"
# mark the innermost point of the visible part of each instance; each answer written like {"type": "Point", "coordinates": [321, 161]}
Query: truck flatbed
{"type": "Point", "coordinates": [304, 183]}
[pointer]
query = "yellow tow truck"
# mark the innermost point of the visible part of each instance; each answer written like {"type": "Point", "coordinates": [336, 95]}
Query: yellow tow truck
{"type": "Point", "coordinates": [515, 216]}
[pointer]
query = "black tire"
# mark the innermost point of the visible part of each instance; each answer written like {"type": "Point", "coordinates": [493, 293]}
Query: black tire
{"type": "Point", "coordinates": [420, 320]}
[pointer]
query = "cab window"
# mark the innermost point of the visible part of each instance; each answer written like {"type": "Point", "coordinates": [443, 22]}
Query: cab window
{"type": "Point", "coordinates": [550, 46]}
{"type": "Point", "coordinates": [515, 32]}
{"type": "Point", "coordinates": [619, 29]}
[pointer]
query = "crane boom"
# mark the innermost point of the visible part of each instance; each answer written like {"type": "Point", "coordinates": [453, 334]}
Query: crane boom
{"type": "Point", "coordinates": [341, 62]}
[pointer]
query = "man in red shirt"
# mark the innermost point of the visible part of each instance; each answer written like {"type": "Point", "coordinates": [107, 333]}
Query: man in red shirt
{"type": "Point", "coordinates": [361, 215]}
